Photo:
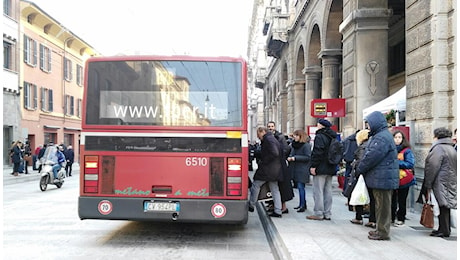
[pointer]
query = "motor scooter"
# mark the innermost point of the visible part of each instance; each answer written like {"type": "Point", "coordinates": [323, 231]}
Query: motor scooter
{"type": "Point", "coordinates": [48, 176]}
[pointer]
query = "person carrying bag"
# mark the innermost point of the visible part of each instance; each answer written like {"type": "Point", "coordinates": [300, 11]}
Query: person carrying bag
{"type": "Point", "coordinates": [360, 195]}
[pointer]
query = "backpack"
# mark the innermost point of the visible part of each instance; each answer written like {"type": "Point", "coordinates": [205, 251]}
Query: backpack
{"type": "Point", "coordinates": [335, 152]}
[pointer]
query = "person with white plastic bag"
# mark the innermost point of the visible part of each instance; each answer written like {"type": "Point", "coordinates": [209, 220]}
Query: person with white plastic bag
{"type": "Point", "coordinates": [380, 169]}
{"type": "Point", "coordinates": [362, 138]}
{"type": "Point", "coordinates": [440, 178]}
{"type": "Point", "coordinates": [360, 195]}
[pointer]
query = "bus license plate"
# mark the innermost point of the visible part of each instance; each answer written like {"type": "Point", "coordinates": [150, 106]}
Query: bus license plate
{"type": "Point", "coordinates": [161, 206]}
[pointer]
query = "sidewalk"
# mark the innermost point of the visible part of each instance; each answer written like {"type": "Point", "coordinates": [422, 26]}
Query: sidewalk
{"type": "Point", "coordinates": [340, 239]}
{"type": "Point", "coordinates": [300, 238]}
{"type": "Point", "coordinates": [32, 176]}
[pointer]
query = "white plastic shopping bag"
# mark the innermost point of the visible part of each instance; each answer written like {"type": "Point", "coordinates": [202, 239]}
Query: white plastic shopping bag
{"type": "Point", "coordinates": [453, 218]}
{"type": "Point", "coordinates": [360, 195]}
{"type": "Point", "coordinates": [435, 204]}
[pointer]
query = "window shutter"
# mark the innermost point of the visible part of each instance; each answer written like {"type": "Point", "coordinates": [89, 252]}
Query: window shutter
{"type": "Point", "coordinates": [50, 100]}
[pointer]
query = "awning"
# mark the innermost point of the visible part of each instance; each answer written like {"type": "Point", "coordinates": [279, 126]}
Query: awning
{"type": "Point", "coordinates": [397, 102]}
{"type": "Point", "coordinates": [72, 128]}
{"type": "Point", "coordinates": [51, 127]}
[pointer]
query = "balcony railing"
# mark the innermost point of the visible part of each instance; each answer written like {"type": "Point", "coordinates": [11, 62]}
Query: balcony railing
{"type": "Point", "coordinates": [276, 28]}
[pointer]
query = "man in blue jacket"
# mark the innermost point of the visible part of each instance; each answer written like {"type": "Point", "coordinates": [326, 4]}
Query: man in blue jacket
{"type": "Point", "coordinates": [380, 169]}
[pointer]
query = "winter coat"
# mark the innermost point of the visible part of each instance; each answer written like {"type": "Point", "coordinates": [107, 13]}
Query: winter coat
{"type": "Point", "coordinates": [319, 160]}
{"type": "Point", "coordinates": [379, 165]}
{"type": "Point", "coordinates": [285, 185]}
{"type": "Point", "coordinates": [286, 149]}
{"type": "Point", "coordinates": [269, 166]}
{"type": "Point", "coordinates": [69, 155]}
{"type": "Point", "coordinates": [349, 148]}
{"type": "Point", "coordinates": [17, 156]}
{"type": "Point", "coordinates": [299, 168]}
{"type": "Point", "coordinates": [441, 172]}
{"type": "Point", "coordinates": [409, 160]}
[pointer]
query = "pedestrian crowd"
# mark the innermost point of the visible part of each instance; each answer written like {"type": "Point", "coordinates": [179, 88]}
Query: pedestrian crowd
{"type": "Point", "coordinates": [379, 171]}
{"type": "Point", "coordinates": [21, 157]}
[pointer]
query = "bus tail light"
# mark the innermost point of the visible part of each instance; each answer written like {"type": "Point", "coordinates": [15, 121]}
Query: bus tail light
{"type": "Point", "coordinates": [91, 174]}
{"type": "Point", "coordinates": [234, 177]}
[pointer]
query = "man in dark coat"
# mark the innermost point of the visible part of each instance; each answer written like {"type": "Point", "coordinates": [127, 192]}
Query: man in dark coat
{"type": "Point", "coordinates": [349, 148]}
{"type": "Point", "coordinates": [285, 184]}
{"type": "Point", "coordinates": [269, 169]}
{"type": "Point", "coordinates": [69, 157]}
{"type": "Point", "coordinates": [380, 169]}
{"type": "Point", "coordinates": [322, 171]}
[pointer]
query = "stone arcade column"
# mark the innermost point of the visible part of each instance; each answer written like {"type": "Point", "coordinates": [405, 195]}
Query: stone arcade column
{"type": "Point", "coordinates": [312, 91]}
{"type": "Point", "coordinates": [282, 111]}
{"type": "Point", "coordinates": [330, 82]}
{"type": "Point", "coordinates": [297, 102]}
{"type": "Point", "coordinates": [365, 58]}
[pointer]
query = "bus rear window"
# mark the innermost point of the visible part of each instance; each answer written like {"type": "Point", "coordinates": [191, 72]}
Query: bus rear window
{"type": "Point", "coordinates": [164, 93]}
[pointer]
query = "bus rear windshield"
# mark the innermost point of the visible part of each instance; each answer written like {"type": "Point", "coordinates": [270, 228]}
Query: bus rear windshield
{"type": "Point", "coordinates": [164, 93]}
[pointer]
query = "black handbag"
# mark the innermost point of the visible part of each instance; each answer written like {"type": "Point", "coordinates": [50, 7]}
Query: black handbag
{"type": "Point", "coordinates": [352, 180]}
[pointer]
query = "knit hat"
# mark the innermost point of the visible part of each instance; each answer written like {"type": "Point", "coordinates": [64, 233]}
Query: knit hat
{"type": "Point", "coordinates": [325, 122]}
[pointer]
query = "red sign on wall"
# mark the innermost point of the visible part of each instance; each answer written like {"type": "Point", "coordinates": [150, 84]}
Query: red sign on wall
{"type": "Point", "coordinates": [333, 107]}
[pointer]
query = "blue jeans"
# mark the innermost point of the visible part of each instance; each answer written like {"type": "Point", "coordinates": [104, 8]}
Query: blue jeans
{"type": "Point", "coordinates": [274, 189]}
{"type": "Point", "coordinates": [56, 168]}
{"type": "Point", "coordinates": [302, 195]}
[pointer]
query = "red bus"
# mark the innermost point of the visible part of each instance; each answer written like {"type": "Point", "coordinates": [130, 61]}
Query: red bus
{"type": "Point", "coordinates": [164, 139]}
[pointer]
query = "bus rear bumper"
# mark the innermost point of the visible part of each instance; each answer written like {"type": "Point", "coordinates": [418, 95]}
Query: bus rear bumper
{"type": "Point", "coordinates": [190, 210]}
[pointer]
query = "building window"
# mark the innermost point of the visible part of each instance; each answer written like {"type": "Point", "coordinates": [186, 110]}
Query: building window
{"type": "Point", "coordinates": [50, 137]}
{"type": "Point", "coordinates": [46, 100]}
{"type": "Point", "coordinates": [45, 58]}
{"type": "Point", "coordinates": [68, 139]}
{"type": "Point", "coordinates": [79, 75]}
{"type": "Point", "coordinates": [67, 69]}
{"type": "Point", "coordinates": [79, 107]}
{"type": "Point", "coordinates": [7, 55]}
{"type": "Point", "coordinates": [30, 96]}
{"type": "Point", "coordinates": [69, 105]}
{"type": "Point", "coordinates": [7, 7]}
{"type": "Point", "coordinates": [397, 58]}
{"type": "Point", "coordinates": [30, 51]}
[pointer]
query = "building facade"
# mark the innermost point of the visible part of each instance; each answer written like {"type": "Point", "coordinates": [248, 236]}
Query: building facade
{"type": "Point", "coordinates": [10, 76]}
{"type": "Point", "coordinates": [51, 79]}
{"type": "Point", "coordinates": [360, 50]}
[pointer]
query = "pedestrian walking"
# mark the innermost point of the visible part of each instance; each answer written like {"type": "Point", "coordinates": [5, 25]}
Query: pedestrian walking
{"type": "Point", "coordinates": [269, 170]}
{"type": "Point", "coordinates": [284, 184]}
{"type": "Point", "coordinates": [69, 156]}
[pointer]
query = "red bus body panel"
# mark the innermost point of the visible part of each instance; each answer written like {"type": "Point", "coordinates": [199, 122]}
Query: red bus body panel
{"type": "Point", "coordinates": [122, 185]}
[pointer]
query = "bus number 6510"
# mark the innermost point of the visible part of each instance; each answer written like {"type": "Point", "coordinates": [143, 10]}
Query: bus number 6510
{"type": "Point", "coordinates": [196, 161]}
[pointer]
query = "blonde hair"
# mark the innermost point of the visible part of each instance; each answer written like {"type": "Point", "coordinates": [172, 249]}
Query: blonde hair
{"type": "Point", "coordinates": [362, 136]}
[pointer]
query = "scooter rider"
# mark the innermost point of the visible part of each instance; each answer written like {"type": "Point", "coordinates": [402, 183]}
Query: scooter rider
{"type": "Point", "coordinates": [59, 163]}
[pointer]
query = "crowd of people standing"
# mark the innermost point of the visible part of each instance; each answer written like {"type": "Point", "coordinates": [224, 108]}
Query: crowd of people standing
{"type": "Point", "coordinates": [382, 157]}
{"type": "Point", "coordinates": [21, 157]}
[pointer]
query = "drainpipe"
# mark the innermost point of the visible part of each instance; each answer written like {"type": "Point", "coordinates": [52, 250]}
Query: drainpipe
{"type": "Point", "coordinates": [63, 78]}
